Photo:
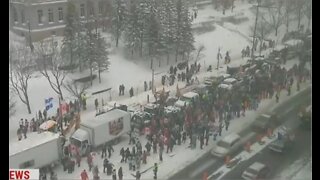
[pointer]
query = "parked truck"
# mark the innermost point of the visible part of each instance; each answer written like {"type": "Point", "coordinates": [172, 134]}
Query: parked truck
{"type": "Point", "coordinates": [37, 151]}
{"type": "Point", "coordinates": [104, 128]}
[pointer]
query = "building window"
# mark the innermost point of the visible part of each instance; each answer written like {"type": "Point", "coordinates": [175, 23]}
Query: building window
{"type": "Point", "coordinates": [82, 10]}
{"type": "Point", "coordinates": [50, 15]}
{"type": "Point", "coordinates": [15, 15]}
{"type": "Point", "coordinates": [91, 10]}
{"type": "Point", "coordinates": [40, 16]}
{"type": "Point", "coordinates": [100, 7]}
{"type": "Point", "coordinates": [23, 19]}
{"type": "Point", "coordinates": [60, 10]}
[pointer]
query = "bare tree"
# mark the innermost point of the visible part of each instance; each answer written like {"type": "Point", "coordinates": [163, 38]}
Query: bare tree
{"type": "Point", "coordinates": [263, 29]}
{"type": "Point", "coordinates": [288, 6]}
{"type": "Point", "coordinates": [49, 63]}
{"type": "Point", "coordinates": [12, 104]}
{"type": "Point", "coordinates": [275, 16]}
{"type": "Point", "coordinates": [308, 12]}
{"type": "Point", "coordinates": [199, 52]}
{"type": "Point", "coordinates": [20, 71]}
{"type": "Point", "coordinates": [299, 5]}
{"type": "Point", "coordinates": [75, 89]}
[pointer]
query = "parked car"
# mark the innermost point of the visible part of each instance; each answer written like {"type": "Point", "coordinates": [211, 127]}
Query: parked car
{"type": "Point", "coordinates": [227, 145]}
{"type": "Point", "coordinates": [284, 141]}
{"type": "Point", "coordinates": [264, 121]}
{"type": "Point", "coordinates": [305, 117]}
{"type": "Point", "coordinates": [186, 99]}
{"type": "Point", "coordinates": [151, 108]}
{"type": "Point", "coordinates": [256, 171]}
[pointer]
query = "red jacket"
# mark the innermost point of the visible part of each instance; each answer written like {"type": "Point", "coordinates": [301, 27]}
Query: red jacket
{"type": "Point", "coordinates": [84, 175]}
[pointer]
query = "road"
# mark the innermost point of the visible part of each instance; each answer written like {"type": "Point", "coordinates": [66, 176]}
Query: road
{"type": "Point", "coordinates": [276, 161]}
{"type": "Point", "coordinates": [288, 113]}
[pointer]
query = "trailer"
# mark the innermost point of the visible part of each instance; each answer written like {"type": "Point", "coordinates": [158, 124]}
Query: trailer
{"type": "Point", "coordinates": [37, 151]}
{"type": "Point", "coordinates": [104, 128]}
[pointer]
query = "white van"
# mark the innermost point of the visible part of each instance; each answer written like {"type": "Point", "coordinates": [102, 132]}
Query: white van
{"type": "Point", "coordinates": [186, 99]}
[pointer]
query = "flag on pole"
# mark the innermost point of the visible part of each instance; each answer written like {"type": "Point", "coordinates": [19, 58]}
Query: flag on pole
{"type": "Point", "coordinates": [48, 103]}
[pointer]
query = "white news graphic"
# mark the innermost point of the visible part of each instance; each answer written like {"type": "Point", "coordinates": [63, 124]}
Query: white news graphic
{"type": "Point", "coordinates": [21, 174]}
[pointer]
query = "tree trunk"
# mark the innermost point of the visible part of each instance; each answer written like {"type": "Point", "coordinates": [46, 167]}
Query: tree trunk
{"type": "Point", "coordinates": [99, 75]}
{"type": "Point", "coordinates": [141, 44]}
{"type": "Point", "coordinates": [177, 53]}
{"type": "Point", "coordinates": [60, 92]}
{"type": "Point", "coordinates": [299, 19]}
{"type": "Point", "coordinates": [117, 37]}
{"type": "Point", "coordinates": [27, 102]}
{"type": "Point", "coordinates": [91, 73]}
{"type": "Point", "coordinates": [287, 23]}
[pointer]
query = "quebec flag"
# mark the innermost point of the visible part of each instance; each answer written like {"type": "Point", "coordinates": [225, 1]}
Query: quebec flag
{"type": "Point", "coordinates": [48, 103]}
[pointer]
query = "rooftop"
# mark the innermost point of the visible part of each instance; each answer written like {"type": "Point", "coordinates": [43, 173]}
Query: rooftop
{"type": "Point", "coordinates": [25, 144]}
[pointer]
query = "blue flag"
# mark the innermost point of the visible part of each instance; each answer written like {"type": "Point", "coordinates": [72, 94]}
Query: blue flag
{"type": "Point", "coordinates": [48, 103]}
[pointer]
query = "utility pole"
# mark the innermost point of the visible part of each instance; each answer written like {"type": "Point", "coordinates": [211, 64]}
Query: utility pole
{"type": "Point", "coordinates": [254, 31]}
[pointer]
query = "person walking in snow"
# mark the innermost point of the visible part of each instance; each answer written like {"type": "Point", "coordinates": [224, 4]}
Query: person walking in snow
{"type": "Point", "coordinates": [227, 122]}
{"type": "Point", "coordinates": [110, 149]}
{"type": "Point", "coordinates": [131, 91]}
{"type": "Point", "coordinates": [148, 147]}
{"type": "Point", "coordinates": [78, 159]}
{"type": "Point", "coordinates": [122, 154]}
{"type": "Point", "coordinates": [154, 145]}
{"type": "Point", "coordinates": [144, 157]}
{"type": "Point", "coordinates": [120, 174]}
{"type": "Point", "coordinates": [145, 86]}
{"type": "Point", "coordinates": [45, 114]}
{"type": "Point", "coordinates": [105, 164]}
{"type": "Point", "coordinates": [138, 175]}
{"type": "Point", "coordinates": [127, 155]}
{"type": "Point", "coordinates": [201, 141]}
{"type": "Point", "coordinates": [155, 170]}
{"type": "Point", "coordinates": [84, 175]}
{"type": "Point", "coordinates": [89, 161]}
{"type": "Point", "coordinates": [114, 174]}
{"type": "Point", "coordinates": [220, 128]}
{"type": "Point", "coordinates": [24, 130]}
{"type": "Point", "coordinates": [104, 151]}
{"type": "Point", "coordinates": [95, 171]}
{"type": "Point", "coordinates": [19, 134]}
{"type": "Point", "coordinates": [161, 152]}
{"type": "Point", "coordinates": [96, 104]}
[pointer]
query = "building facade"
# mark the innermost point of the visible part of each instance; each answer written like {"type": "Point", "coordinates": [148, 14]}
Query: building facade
{"type": "Point", "coordinates": [38, 19]}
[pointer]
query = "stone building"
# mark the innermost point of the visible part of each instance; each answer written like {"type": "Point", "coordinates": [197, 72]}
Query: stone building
{"type": "Point", "coordinates": [38, 19]}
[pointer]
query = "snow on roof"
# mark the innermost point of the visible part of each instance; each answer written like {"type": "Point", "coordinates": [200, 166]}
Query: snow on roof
{"type": "Point", "coordinates": [79, 134]}
{"type": "Point", "coordinates": [225, 86]}
{"type": "Point", "coordinates": [34, 139]}
{"type": "Point", "coordinates": [190, 94]}
{"type": "Point", "coordinates": [105, 117]}
{"type": "Point", "coordinates": [293, 42]}
{"type": "Point", "coordinates": [257, 166]}
{"type": "Point", "coordinates": [230, 80]}
{"type": "Point", "coordinates": [231, 137]}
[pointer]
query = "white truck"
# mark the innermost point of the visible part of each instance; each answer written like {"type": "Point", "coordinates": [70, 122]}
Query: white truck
{"type": "Point", "coordinates": [106, 127]}
{"type": "Point", "coordinates": [38, 150]}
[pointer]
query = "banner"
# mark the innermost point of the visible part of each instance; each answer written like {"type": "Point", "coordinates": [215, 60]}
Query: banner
{"type": "Point", "coordinates": [48, 103]}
